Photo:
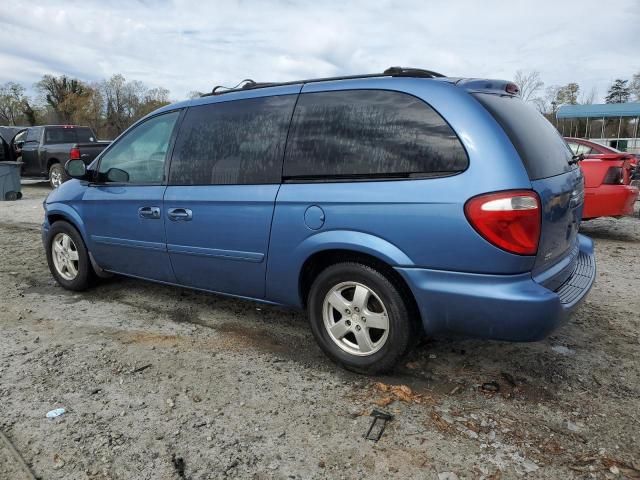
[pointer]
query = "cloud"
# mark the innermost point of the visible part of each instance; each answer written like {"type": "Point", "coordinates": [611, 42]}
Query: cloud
{"type": "Point", "coordinates": [189, 45]}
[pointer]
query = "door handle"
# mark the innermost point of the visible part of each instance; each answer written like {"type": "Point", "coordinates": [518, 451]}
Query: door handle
{"type": "Point", "coordinates": [180, 214]}
{"type": "Point", "coordinates": [149, 212]}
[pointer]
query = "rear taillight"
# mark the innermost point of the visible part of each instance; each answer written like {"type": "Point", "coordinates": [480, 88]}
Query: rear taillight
{"type": "Point", "coordinates": [74, 154]}
{"type": "Point", "coordinates": [510, 220]}
{"type": "Point", "coordinates": [614, 176]}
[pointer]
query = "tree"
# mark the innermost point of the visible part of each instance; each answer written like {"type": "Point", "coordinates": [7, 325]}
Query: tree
{"type": "Point", "coordinates": [12, 100]}
{"type": "Point", "coordinates": [619, 92]}
{"type": "Point", "coordinates": [568, 94]}
{"type": "Point", "coordinates": [152, 100]}
{"type": "Point", "coordinates": [634, 87]}
{"type": "Point", "coordinates": [194, 94]}
{"type": "Point", "coordinates": [65, 96]}
{"type": "Point", "coordinates": [529, 83]}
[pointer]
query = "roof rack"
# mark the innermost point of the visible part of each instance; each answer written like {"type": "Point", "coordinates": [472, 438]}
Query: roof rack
{"type": "Point", "coordinates": [248, 84]}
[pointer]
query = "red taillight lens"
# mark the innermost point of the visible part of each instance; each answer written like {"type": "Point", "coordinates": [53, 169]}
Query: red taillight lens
{"type": "Point", "coordinates": [510, 220]}
{"type": "Point", "coordinates": [74, 154]}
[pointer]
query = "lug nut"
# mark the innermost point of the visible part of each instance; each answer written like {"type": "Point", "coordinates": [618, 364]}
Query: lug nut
{"type": "Point", "coordinates": [356, 309]}
{"type": "Point", "coordinates": [348, 323]}
{"type": "Point", "coordinates": [364, 319]}
{"type": "Point", "coordinates": [358, 328]}
{"type": "Point", "coordinates": [347, 311]}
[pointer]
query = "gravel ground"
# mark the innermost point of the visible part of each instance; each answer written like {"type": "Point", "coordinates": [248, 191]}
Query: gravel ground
{"type": "Point", "coordinates": [165, 383]}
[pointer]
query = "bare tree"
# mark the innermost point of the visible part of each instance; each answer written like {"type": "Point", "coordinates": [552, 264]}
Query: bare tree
{"type": "Point", "coordinates": [634, 87]}
{"type": "Point", "coordinates": [588, 98]}
{"type": "Point", "coordinates": [12, 100]}
{"type": "Point", "coordinates": [529, 83]}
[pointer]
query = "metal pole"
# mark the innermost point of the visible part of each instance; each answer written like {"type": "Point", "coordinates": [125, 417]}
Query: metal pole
{"type": "Point", "coordinates": [571, 127]}
{"type": "Point", "coordinates": [635, 134]}
{"type": "Point", "coordinates": [619, 126]}
{"type": "Point", "coordinates": [563, 127]}
{"type": "Point", "coordinates": [586, 130]}
{"type": "Point", "coordinates": [602, 128]}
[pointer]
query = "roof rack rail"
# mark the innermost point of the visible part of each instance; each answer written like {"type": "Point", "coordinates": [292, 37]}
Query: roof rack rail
{"type": "Point", "coordinates": [248, 84]}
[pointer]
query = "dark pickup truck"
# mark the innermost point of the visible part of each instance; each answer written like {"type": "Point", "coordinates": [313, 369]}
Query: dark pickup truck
{"type": "Point", "coordinates": [45, 149]}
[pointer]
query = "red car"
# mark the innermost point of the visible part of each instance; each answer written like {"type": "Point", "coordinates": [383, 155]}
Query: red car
{"type": "Point", "coordinates": [607, 178]}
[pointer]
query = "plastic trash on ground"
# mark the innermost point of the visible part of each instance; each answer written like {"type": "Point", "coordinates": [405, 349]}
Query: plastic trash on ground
{"type": "Point", "coordinates": [55, 413]}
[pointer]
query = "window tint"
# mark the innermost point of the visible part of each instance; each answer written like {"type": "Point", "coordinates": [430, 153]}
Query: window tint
{"type": "Point", "coordinates": [139, 156]}
{"type": "Point", "coordinates": [540, 146]}
{"type": "Point", "coordinates": [236, 142]}
{"type": "Point", "coordinates": [60, 135]}
{"type": "Point", "coordinates": [369, 133]}
{"type": "Point", "coordinates": [85, 135]}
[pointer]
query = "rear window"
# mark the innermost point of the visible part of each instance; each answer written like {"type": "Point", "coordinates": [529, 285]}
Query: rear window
{"type": "Point", "coordinates": [540, 146]}
{"type": "Point", "coordinates": [369, 134]}
{"type": "Point", "coordinates": [68, 135]}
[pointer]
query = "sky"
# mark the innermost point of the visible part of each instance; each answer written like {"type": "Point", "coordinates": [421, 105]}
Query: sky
{"type": "Point", "coordinates": [186, 45]}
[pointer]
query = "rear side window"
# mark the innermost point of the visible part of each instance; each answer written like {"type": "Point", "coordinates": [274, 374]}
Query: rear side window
{"type": "Point", "coordinates": [540, 146]}
{"type": "Point", "coordinates": [85, 135]}
{"type": "Point", "coordinates": [236, 142]}
{"type": "Point", "coordinates": [370, 134]}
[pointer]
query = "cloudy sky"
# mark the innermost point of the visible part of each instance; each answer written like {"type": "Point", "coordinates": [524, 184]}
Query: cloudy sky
{"type": "Point", "coordinates": [187, 45]}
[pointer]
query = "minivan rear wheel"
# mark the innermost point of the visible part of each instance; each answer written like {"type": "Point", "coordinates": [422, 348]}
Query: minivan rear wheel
{"type": "Point", "coordinates": [360, 318]}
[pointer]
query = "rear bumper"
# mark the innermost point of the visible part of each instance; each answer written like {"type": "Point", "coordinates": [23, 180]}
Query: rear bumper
{"type": "Point", "coordinates": [609, 201]}
{"type": "Point", "coordinates": [500, 307]}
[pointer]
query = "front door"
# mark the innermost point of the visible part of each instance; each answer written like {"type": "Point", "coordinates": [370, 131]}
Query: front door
{"type": "Point", "coordinates": [225, 175]}
{"type": "Point", "coordinates": [31, 153]}
{"type": "Point", "coordinates": [124, 207]}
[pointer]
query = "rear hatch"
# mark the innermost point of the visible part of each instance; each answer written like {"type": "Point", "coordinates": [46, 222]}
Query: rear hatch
{"type": "Point", "coordinates": [558, 182]}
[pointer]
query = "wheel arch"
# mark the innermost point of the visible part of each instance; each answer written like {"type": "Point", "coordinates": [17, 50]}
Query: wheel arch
{"type": "Point", "coordinates": [322, 259]}
{"type": "Point", "coordinates": [51, 161]}
{"type": "Point", "coordinates": [64, 213]}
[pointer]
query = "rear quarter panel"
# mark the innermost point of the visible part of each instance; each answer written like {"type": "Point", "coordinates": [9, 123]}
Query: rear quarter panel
{"type": "Point", "coordinates": [418, 223]}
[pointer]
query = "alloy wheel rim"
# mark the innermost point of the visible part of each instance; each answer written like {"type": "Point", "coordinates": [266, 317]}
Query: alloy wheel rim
{"type": "Point", "coordinates": [65, 256]}
{"type": "Point", "coordinates": [355, 318]}
{"type": "Point", "coordinates": [56, 178]}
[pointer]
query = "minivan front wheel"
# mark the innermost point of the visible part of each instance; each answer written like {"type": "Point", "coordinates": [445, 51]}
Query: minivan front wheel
{"type": "Point", "coordinates": [360, 318]}
{"type": "Point", "coordinates": [68, 258]}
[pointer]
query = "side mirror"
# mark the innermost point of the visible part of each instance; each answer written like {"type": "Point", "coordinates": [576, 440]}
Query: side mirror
{"type": "Point", "coordinates": [76, 169]}
{"type": "Point", "coordinates": [117, 175]}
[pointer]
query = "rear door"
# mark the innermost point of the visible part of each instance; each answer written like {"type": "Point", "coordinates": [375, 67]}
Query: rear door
{"type": "Point", "coordinates": [123, 209]}
{"type": "Point", "coordinates": [547, 159]}
{"type": "Point", "coordinates": [225, 174]}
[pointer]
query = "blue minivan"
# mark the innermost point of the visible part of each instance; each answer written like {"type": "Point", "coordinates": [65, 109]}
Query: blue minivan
{"type": "Point", "coordinates": [389, 206]}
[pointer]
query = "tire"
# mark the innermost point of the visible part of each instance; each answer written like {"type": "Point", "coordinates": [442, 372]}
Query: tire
{"type": "Point", "coordinates": [77, 274]}
{"type": "Point", "coordinates": [382, 351]}
{"type": "Point", "coordinates": [57, 175]}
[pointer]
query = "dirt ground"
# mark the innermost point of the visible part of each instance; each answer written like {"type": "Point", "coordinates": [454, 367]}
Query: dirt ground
{"type": "Point", "coordinates": [165, 383]}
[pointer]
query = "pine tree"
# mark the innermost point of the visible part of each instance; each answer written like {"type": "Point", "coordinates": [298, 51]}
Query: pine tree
{"type": "Point", "coordinates": [618, 92]}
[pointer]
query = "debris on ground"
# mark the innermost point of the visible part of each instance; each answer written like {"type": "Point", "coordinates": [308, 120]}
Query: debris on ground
{"type": "Point", "coordinates": [378, 424]}
{"type": "Point", "coordinates": [397, 392]}
{"type": "Point", "coordinates": [490, 387]}
{"type": "Point", "coordinates": [55, 413]}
